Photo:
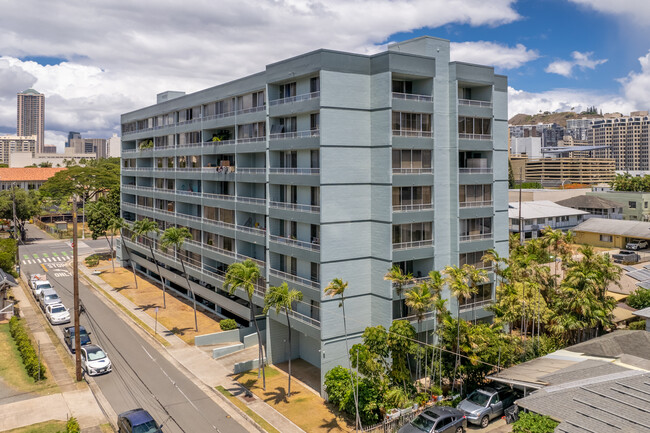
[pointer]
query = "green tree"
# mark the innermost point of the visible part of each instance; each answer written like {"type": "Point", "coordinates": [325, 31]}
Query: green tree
{"type": "Point", "coordinates": [176, 237]}
{"type": "Point", "coordinates": [101, 212]}
{"type": "Point", "coordinates": [511, 175]}
{"type": "Point", "coordinates": [530, 422]}
{"type": "Point", "coordinates": [8, 256]}
{"type": "Point", "coordinates": [399, 280]}
{"type": "Point", "coordinates": [246, 275]}
{"type": "Point", "coordinates": [97, 178]}
{"type": "Point", "coordinates": [400, 340]}
{"type": "Point", "coordinates": [282, 298]}
{"type": "Point", "coordinates": [420, 300]}
{"type": "Point", "coordinates": [145, 227]}
{"type": "Point", "coordinates": [28, 204]}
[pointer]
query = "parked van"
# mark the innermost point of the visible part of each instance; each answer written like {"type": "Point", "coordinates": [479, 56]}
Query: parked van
{"type": "Point", "coordinates": [47, 297]}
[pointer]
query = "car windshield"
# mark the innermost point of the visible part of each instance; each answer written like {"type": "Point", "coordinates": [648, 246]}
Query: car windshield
{"type": "Point", "coordinates": [44, 286]}
{"type": "Point", "coordinates": [479, 398]}
{"type": "Point", "coordinates": [148, 427]}
{"type": "Point", "coordinates": [51, 297]}
{"type": "Point", "coordinates": [94, 355]}
{"type": "Point", "coordinates": [58, 310]}
{"type": "Point", "coordinates": [423, 423]}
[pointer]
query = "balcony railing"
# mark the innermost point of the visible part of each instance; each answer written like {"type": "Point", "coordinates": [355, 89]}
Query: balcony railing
{"type": "Point", "coordinates": [250, 140]}
{"type": "Point", "coordinates": [251, 110]}
{"type": "Point", "coordinates": [295, 134]}
{"type": "Point", "coordinates": [419, 170]}
{"type": "Point", "coordinates": [128, 151]}
{"type": "Point", "coordinates": [219, 116]}
{"type": "Point", "coordinates": [414, 318]}
{"type": "Point", "coordinates": [482, 170]}
{"type": "Point", "coordinates": [476, 237]}
{"type": "Point", "coordinates": [474, 305]}
{"type": "Point", "coordinates": [465, 136]}
{"type": "Point", "coordinates": [251, 170]}
{"type": "Point", "coordinates": [297, 98]}
{"type": "Point", "coordinates": [294, 170]}
{"type": "Point", "coordinates": [412, 97]}
{"type": "Point", "coordinates": [413, 282]}
{"type": "Point", "coordinates": [474, 103]}
{"type": "Point", "coordinates": [412, 244]}
{"type": "Point", "coordinates": [295, 206]}
{"type": "Point", "coordinates": [295, 279]}
{"type": "Point", "coordinates": [412, 207]}
{"type": "Point", "coordinates": [228, 253]}
{"type": "Point", "coordinates": [411, 133]}
{"type": "Point", "coordinates": [295, 243]}
{"type": "Point", "coordinates": [484, 203]}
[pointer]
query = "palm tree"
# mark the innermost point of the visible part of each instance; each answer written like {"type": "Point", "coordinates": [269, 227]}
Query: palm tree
{"type": "Point", "coordinates": [420, 299]}
{"type": "Point", "coordinates": [114, 225]}
{"type": "Point", "coordinates": [176, 237]}
{"type": "Point", "coordinates": [282, 298]}
{"type": "Point", "coordinates": [142, 228]}
{"type": "Point", "coordinates": [474, 277]}
{"type": "Point", "coordinates": [122, 225]}
{"type": "Point", "coordinates": [245, 275]}
{"type": "Point", "coordinates": [337, 287]}
{"type": "Point", "coordinates": [399, 280]}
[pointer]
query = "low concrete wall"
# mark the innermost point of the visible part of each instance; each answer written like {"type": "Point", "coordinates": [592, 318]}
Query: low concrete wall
{"type": "Point", "coordinates": [227, 350]}
{"type": "Point", "coordinates": [241, 367]}
{"type": "Point", "coordinates": [218, 338]}
{"type": "Point", "coordinates": [250, 340]}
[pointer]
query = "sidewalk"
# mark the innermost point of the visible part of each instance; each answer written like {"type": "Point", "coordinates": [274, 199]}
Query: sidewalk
{"type": "Point", "coordinates": [205, 371]}
{"type": "Point", "coordinates": [75, 399]}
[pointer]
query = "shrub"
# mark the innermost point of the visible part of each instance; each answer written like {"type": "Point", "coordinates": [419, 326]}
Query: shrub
{"type": "Point", "coordinates": [26, 350]}
{"type": "Point", "coordinates": [638, 325]}
{"type": "Point", "coordinates": [533, 423]}
{"type": "Point", "coordinates": [72, 426]}
{"type": "Point", "coordinates": [228, 324]}
{"type": "Point", "coordinates": [92, 260]}
{"type": "Point", "coordinates": [639, 299]}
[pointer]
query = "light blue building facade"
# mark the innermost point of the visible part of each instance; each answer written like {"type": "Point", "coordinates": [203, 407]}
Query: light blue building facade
{"type": "Point", "coordinates": [326, 165]}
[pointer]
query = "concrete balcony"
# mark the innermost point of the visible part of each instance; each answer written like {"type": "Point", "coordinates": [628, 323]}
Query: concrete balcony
{"type": "Point", "coordinates": [297, 98]}
{"type": "Point", "coordinates": [475, 103]}
{"type": "Point", "coordinates": [469, 204]}
{"type": "Point", "coordinates": [412, 207]}
{"type": "Point", "coordinates": [295, 243]}
{"type": "Point", "coordinates": [418, 170]}
{"type": "Point", "coordinates": [294, 207]}
{"type": "Point", "coordinates": [412, 133]}
{"type": "Point", "coordinates": [412, 97]}
{"type": "Point", "coordinates": [290, 278]}
{"type": "Point", "coordinates": [412, 244]}
{"type": "Point", "coordinates": [476, 237]}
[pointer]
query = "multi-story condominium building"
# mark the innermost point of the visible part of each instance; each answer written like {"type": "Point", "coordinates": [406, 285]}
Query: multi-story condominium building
{"type": "Point", "coordinates": [550, 133]}
{"type": "Point", "coordinates": [579, 128]}
{"type": "Point", "coordinates": [326, 165]}
{"type": "Point", "coordinates": [31, 116]}
{"type": "Point", "coordinates": [11, 144]}
{"type": "Point", "coordinates": [560, 171]}
{"type": "Point", "coordinates": [626, 138]}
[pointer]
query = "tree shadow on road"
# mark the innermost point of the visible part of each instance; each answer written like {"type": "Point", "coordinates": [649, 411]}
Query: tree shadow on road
{"type": "Point", "coordinates": [147, 307]}
{"type": "Point", "coordinates": [177, 331]}
{"type": "Point", "coordinates": [119, 289]}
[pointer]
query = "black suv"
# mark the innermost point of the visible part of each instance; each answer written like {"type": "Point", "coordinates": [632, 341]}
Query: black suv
{"type": "Point", "coordinates": [68, 337]}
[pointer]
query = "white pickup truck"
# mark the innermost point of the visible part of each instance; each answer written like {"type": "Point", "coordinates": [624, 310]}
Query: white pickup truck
{"type": "Point", "coordinates": [38, 282]}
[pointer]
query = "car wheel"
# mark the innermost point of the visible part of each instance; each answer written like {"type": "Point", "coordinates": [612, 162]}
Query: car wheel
{"type": "Point", "coordinates": [485, 421]}
{"type": "Point", "coordinates": [460, 430]}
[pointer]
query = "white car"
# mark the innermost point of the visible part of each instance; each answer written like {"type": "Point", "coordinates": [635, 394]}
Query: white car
{"type": "Point", "coordinates": [636, 244]}
{"type": "Point", "coordinates": [57, 314]}
{"type": "Point", "coordinates": [94, 360]}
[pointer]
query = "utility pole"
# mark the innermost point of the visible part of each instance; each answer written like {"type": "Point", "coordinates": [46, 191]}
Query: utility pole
{"type": "Point", "coordinates": [75, 276]}
{"type": "Point", "coordinates": [16, 234]}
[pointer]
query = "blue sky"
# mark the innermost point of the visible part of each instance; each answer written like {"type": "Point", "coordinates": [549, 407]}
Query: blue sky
{"type": "Point", "coordinates": [558, 54]}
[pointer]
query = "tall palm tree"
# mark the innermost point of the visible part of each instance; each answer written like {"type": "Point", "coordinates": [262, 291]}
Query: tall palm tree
{"type": "Point", "coordinates": [399, 280]}
{"type": "Point", "coordinates": [337, 287]}
{"type": "Point", "coordinates": [116, 224]}
{"type": "Point", "coordinates": [142, 228]}
{"type": "Point", "coordinates": [474, 277]}
{"type": "Point", "coordinates": [246, 275]}
{"type": "Point", "coordinates": [420, 299]}
{"type": "Point", "coordinates": [282, 298]}
{"type": "Point", "coordinates": [176, 237]}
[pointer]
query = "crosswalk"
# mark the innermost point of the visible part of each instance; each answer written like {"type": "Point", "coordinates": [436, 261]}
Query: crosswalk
{"type": "Point", "coordinates": [59, 257]}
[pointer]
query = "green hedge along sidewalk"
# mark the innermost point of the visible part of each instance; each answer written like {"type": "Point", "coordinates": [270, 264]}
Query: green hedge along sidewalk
{"type": "Point", "coordinates": [35, 369]}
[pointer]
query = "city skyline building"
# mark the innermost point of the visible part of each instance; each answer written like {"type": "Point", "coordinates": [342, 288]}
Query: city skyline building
{"type": "Point", "coordinates": [325, 165]}
{"type": "Point", "coordinates": [30, 118]}
{"type": "Point", "coordinates": [10, 144]}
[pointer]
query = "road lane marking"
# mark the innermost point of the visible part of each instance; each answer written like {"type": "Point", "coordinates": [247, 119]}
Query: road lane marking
{"type": "Point", "coordinates": [44, 268]}
{"type": "Point", "coordinates": [38, 260]}
{"type": "Point", "coordinates": [64, 253]}
{"type": "Point", "coordinates": [55, 254]}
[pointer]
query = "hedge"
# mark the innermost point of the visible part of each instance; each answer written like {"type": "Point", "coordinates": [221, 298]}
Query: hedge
{"type": "Point", "coordinates": [228, 324]}
{"type": "Point", "coordinates": [26, 349]}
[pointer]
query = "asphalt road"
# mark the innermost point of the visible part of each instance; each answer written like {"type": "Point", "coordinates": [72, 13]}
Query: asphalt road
{"type": "Point", "coordinates": [141, 377]}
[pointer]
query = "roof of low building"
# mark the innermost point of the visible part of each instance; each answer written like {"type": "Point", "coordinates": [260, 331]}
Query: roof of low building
{"type": "Point", "coordinates": [7, 279]}
{"type": "Point", "coordinates": [615, 344]}
{"type": "Point", "coordinates": [635, 229]}
{"type": "Point", "coordinates": [588, 202]}
{"type": "Point", "coordinates": [28, 173]}
{"type": "Point", "coordinates": [645, 313]}
{"type": "Point", "coordinates": [541, 209]}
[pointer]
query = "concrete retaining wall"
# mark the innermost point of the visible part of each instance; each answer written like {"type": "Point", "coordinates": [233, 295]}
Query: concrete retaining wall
{"type": "Point", "coordinates": [218, 338]}
{"type": "Point", "coordinates": [227, 350]}
{"type": "Point", "coordinates": [245, 366]}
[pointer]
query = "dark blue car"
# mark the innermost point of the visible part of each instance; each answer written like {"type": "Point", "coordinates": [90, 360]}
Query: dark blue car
{"type": "Point", "coordinates": [137, 421]}
{"type": "Point", "coordinates": [68, 337]}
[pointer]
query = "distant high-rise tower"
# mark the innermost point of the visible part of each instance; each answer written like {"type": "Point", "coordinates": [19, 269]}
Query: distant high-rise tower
{"type": "Point", "coordinates": [31, 116]}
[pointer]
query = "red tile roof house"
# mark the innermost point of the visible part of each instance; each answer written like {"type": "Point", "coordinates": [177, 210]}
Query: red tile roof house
{"type": "Point", "coordinates": [26, 178]}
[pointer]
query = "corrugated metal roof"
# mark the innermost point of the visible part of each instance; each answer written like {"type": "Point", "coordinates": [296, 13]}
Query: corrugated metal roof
{"type": "Point", "coordinates": [633, 229]}
{"type": "Point", "coordinates": [541, 209]}
{"type": "Point", "coordinates": [588, 202]}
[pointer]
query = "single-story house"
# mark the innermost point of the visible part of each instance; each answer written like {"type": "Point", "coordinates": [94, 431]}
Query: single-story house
{"type": "Point", "coordinates": [597, 207]}
{"type": "Point", "coordinates": [608, 233]}
{"type": "Point", "coordinates": [537, 215]}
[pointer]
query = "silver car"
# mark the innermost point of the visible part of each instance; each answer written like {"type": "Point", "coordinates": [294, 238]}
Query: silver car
{"type": "Point", "coordinates": [47, 297]}
{"type": "Point", "coordinates": [483, 405]}
{"type": "Point", "coordinates": [437, 419]}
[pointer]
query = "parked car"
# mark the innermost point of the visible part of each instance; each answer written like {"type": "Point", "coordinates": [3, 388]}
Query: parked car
{"type": "Point", "coordinates": [437, 419]}
{"type": "Point", "coordinates": [624, 256]}
{"type": "Point", "coordinates": [68, 337]}
{"type": "Point", "coordinates": [47, 297]}
{"type": "Point", "coordinates": [94, 360]}
{"type": "Point", "coordinates": [38, 282]}
{"type": "Point", "coordinates": [137, 421]}
{"type": "Point", "coordinates": [636, 244]}
{"type": "Point", "coordinates": [57, 314]}
{"type": "Point", "coordinates": [485, 404]}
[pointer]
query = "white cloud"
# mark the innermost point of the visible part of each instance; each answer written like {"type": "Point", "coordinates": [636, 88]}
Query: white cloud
{"type": "Point", "coordinates": [119, 54]}
{"type": "Point", "coordinates": [636, 86]}
{"type": "Point", "coordinates": [581, 60]}
{"type": "Point", "coordinates": [490, 53]}
{"type": "Point", "coordinates": [637, 11]}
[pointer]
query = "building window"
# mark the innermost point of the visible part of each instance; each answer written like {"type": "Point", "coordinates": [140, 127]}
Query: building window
{"type": "Point", "coordinates": [411, 159]}
{"type": "Point", "coordinates": [415, 232]}
{"type": "Point", "coordinates": [475, 229]}
{"type": "Point", "coordinates": [474, 125]}
{"type": "Point", "coordinates": [606, 238]}
{"type": "Point", "coordinates": [474, 194]}
{"type": "Point", "coordinates": [314, 120]}
{"type": "Point", "coordinates": [415, 124]}
{"type": "Point", "coordinates": [632, 204]}
{"type": "Point", "coordinates": [288, 90]}
{"type": "Point", "coordinates": [314, 84]}
{"type": "Point", "coordinates": [411, 195]}
{"type": "Point", "coordinates": [473, 259]}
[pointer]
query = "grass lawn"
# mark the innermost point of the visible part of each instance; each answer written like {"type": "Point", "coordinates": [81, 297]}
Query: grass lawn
{"type": "Point", "coordinates": [242, 406]}
{"type": "Point", "coordinates": [178, 318]}
{"type": "Point", "coordinates": [41, 427]}
{"type": "Point", "coordinates": [13, 371]}
{"type": "Point", "coordinates": [304, 408]}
